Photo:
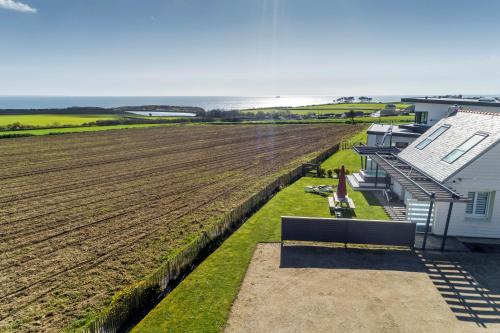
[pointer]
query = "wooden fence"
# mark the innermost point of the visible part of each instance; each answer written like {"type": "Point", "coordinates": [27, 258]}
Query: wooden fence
{"type": "Point", "coordinates": [143, 296]}
{"type": "Point", "coordinates": [347, 144]}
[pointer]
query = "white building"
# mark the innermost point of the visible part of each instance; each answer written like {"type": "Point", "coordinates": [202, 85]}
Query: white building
{"type": "Point", "coordinates": [462, 152]}
{"type": "Point", "coordinates": [454, 165]}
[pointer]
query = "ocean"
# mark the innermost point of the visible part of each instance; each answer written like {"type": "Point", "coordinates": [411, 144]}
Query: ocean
{"type": "Point", "coordinates": [205, 102]}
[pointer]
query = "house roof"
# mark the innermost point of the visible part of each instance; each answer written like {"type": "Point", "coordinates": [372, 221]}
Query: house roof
{"type": "Point", "coordinates": [462, 125]}
{"type": "Point", "coordinates": [471, 102]}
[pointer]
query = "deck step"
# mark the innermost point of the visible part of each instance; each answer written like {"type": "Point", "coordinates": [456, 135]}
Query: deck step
{"type": "Point", "coordinates": [359, 177]}
{"type": "Point", "coordinates": [359, 184]}
{"type": "Point", "coordinates": [353, 182]}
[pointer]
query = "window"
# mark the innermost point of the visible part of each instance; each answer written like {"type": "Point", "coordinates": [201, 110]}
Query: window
{"type": "Point", "coordinates": [401, 145]}
{"type": "Point", "coordinates": [424, 143]}
{"type": "Point", "coordinates": [464, 147]}
{"type": "Point", "coordinates": [421, 117]}
{"type": "Point", "coordinates": [478, 205]}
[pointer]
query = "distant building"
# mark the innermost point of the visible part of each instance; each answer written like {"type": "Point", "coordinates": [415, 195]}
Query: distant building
{"type": "Point", "coordinates": [389, 110]}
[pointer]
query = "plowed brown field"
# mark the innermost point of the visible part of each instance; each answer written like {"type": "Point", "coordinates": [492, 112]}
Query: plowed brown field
{"type": "Point", "coordinates": [84, 215]}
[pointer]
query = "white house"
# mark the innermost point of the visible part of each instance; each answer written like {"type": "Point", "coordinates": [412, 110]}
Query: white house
{"type": "Point", "coordinates": [457, 158]}
{"type": "Point", "coordinates": [462, 152]}
{"type": "Point", "coordinates": [428, 111]}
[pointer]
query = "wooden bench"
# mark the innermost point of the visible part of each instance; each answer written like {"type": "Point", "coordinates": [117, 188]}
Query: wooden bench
{"type": "Point", "coordinates": [336, 204]}
{"type": "Point", "coordinates": [331, 203]}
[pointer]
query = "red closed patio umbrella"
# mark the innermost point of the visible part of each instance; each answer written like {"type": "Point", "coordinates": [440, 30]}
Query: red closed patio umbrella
{"type": "Point", "coordinates": [342, 190]}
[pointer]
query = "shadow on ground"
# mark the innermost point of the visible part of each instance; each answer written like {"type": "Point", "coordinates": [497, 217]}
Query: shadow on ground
{"type": "Point", "coordinates": [299, 256]}
{"type": "Point", "coordinates": [371, 199]}
{"type": "Point", "coordinates": [469, 283]}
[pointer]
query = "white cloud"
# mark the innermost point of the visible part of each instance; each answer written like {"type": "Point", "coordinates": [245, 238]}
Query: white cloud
{"type": "Point", "coordinates": [17, 6]}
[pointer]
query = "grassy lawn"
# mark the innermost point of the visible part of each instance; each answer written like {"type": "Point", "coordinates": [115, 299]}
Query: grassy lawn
{"type": "Point", "coordinates": [387, 120]}
{"type": "Point", "coordinates": [44, 120]}
{"type": "Point", "coordinates": [348, 158]}
{"type": "Point", "coordinates": [201, 303]}
{"type": "Point", "coordinates": [332, 108]}
{"type": "Point", "coordinates": [47, 131]}
{"type": "Point", "coordinates": [365, 106]}
{"type": "Point", "coordinates": [364, 120]}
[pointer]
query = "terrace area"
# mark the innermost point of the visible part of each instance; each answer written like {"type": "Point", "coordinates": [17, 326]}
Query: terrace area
{"type": "Point", "coordinates": [333, 289]}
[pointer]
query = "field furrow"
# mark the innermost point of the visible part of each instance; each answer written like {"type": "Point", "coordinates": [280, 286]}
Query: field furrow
{"type": "Point", "coordinates": [83, 216]}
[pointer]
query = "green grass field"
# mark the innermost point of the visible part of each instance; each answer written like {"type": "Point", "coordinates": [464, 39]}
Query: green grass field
{"type": "Point", "coordinates": [202, 302]}
{"type": "Point", "coordinates": [44, 124]}
{"type": "Point", "coordinates": [46, 120]}
{"type": "Point", "coordinates": [64, 130]}
{"type": "Point", "coordinates": [365, 120]}
{"type": "Point", "coordinates": [331, 108]}
{"type": "Point", "coordinates": [348, 106]}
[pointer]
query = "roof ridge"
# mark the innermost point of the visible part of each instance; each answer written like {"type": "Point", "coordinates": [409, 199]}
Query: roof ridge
{"type": "Point", "coordinates": [488, 113]}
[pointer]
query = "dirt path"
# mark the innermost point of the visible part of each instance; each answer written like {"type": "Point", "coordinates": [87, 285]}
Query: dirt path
{"type": "Point", "coordinates": [339, 290]}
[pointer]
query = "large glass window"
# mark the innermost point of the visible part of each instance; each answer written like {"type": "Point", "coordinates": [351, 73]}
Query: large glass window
{"type": "Point", "coordinates": [421, 117]}
{"type": "Point", "coordinates": [425, 142]}
{"type": "Point", "coordinates": [464, 147]}
{"type": "Point", "coordinates": [478, 205]}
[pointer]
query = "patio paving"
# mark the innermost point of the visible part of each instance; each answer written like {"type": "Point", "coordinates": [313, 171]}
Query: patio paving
{"type": "Point", "coordinates": [328, 289]}
{"type": "Point", "coordinates": [434, 243]}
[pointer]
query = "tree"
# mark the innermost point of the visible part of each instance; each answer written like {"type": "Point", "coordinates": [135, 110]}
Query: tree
{"type": "Point", "coordinates": [351, 115]}
{"type": "Point", "coordinates": [260, 115]}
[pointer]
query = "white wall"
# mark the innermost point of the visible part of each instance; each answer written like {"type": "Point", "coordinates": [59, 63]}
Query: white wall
{"type": "Point", "coordinates": [398, 189]}
{"type": "Point", "coordinates": [374, 139]}
{"type": "Point", "coordinates": [438, 111]}
{"type": "Point", "coordinates": [481, 175]}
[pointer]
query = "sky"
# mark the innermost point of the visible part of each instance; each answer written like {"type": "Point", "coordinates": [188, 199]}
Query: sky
{"type": "Point", "coordinates": [249, 47]}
